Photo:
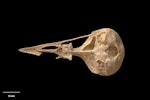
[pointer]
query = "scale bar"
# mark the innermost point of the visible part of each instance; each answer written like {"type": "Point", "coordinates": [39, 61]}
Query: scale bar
{"type": "Point", "coordinates": [11, 92]}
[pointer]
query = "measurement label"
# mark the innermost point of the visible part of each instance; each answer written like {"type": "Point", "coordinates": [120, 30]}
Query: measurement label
{"type": "Point", "coordinates": [11, 94]}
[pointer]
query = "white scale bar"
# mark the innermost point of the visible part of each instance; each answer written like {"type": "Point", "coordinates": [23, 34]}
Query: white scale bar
{"type": "Point", "coordinates": [11, 91]}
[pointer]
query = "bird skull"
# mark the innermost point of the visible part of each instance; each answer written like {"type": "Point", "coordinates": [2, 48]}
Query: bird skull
{"type": "Point", "coordinates": [103, 51]}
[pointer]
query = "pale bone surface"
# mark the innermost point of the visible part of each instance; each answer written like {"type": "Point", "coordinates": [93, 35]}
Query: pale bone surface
{"type": "Point", "coordinates": [103, 51]}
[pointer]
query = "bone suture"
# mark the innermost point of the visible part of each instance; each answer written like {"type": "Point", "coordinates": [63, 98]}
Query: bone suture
{"type": "Point", "coordinates": [103, 51]}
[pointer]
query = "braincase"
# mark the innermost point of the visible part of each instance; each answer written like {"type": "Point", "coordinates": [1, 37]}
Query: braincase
{"type": "Point", "coordinates": [109, 37]}
{"type": "Point", "coordinates": [107, 51]}
{"type": "Point", "coordinates": [106, 36]}
{"type": "Point", "coordinates": [113, 38]}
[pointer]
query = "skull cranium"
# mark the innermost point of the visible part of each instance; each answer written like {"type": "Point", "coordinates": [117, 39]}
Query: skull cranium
{"type": "Point", "coordinates": [103, 51]}
{"type": "Point", "coordinates": [107, 52]}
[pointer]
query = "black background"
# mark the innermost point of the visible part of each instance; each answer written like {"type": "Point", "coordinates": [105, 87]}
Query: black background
{"type": "Point", "coordinates": [46, 77]}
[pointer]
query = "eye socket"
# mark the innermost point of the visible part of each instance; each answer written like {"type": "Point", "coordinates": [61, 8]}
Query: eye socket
{"type": "Point", "coordinates": [112, 51]}
{"type": "Point", "coordinates": [91, 45]}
